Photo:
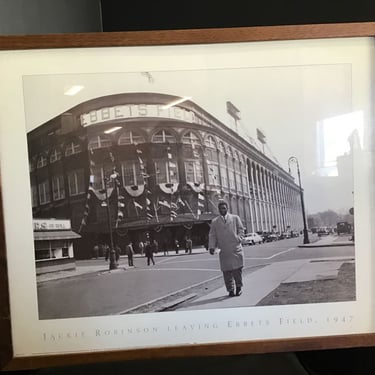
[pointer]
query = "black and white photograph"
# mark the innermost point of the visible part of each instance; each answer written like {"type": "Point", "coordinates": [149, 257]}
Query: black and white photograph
{"type": "Point", "coordinates": [188, 190]}
{"type": "Point", "coordinates": [188, 195]}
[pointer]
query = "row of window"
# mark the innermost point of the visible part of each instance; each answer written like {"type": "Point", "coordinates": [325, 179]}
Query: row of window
{"type": "Point", "coordinates": [132, 173]}
{"type": "Point", "coordinates": [41, 193]}
{"type": "Point", "coordinates": [132, 137]}
{"type": "Point", "coordinates": [51, 249]}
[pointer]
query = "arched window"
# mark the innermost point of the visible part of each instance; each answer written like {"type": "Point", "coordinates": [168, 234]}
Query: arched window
{"type": "Point", "coordinates": [130, 137]}
{"type": "Point", "coordinates": [42, 161]}
{"type": "Point", "coordinates": [99, 141]}
{"type": "Point", "coordinates": [210, 142]}
{"type": "Point", "coordinates": [72, 148]}
{"type": "Point", "coordinates": [55, 155]}
{"type": "Point", "coordinates": [190, 138]}
{"type": "Point", "coordinates": [163, 136]}
{"type": "Point", "coordinates": [221, 147]}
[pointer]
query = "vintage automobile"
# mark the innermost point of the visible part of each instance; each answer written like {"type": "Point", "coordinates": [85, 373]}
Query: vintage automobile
{"type": "Point", "coordinates": [252, 239]}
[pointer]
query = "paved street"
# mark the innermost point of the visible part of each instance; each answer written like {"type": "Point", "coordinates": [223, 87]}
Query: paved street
{"type": "Point", "coordinates": [104, 293]}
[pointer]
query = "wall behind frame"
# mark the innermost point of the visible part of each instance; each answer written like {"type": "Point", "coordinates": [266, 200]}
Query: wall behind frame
{"type": "Point", "coordinates": [167, 15]}
{"type": "Point", "coordinates": [49, 16]}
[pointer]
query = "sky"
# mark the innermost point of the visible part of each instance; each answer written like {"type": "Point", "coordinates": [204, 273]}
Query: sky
{"type": "Point", "coordinates": [292, 105]}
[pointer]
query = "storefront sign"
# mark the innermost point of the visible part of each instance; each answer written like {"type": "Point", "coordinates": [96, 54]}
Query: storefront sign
{"type": "Point", "coordinates": [135, 111]}
{"type": "Point", "coordinates": [50, 224]}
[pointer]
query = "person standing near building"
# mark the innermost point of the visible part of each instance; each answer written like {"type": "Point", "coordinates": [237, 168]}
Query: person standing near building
{"type": "Point", "coordinates": [149, 252]}
{"type": "Point", "coordinates": [130, 253]}
{"type": "Point", "coordinates": [176, 246]}
{"type": "Point", "coordinates": [189, 245]}
{"type": "Point", "coordinates": [226, 233]}
{"type": "Point", "coordinates": [141, 247]}
{"type": "Point", "coordinates": [96, 251]}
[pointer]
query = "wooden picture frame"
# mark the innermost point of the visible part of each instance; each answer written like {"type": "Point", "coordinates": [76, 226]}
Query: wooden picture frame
{"type": "Point", "coordinates": [188, 347]}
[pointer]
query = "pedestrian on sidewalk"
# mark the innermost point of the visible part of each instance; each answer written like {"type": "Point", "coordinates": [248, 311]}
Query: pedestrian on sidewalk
{"type": "Point", "coordinates": [141, 247]}
{"type": "Point", "coordinates": [189, 245]}
{"type": "Point", "coordinates": [149, 252]}
{"type": "Point", "coordinates": [96, 251]}
{"type": "Point", "coordinates": [226, 233]}
{"type": "Point", "coordinates": [176, 246]}
{"type": "Point", "coordinates": [130, 252]}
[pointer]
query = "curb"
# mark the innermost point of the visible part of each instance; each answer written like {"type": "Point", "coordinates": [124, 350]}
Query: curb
{"type": "Point", "coordinates": [327, 245]}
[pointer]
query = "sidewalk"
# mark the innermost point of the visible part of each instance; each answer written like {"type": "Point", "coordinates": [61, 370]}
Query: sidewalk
{"type": "Point", "coordinates": [260, 283]}
{"type": "Point", "coordinates": [330, 241]}
{"type": "Point", "coordinates": [102, 266]}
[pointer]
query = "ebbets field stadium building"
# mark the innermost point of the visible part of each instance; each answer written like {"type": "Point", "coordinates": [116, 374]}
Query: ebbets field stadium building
{"type": "Point", "coordinates": [161, 165]}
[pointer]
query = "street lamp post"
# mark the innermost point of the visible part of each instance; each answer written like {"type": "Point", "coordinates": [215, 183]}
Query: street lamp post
{"type": "Point", "coordinates": [293, 159]}
{"type": "Point", "coordinates": [112, 251]}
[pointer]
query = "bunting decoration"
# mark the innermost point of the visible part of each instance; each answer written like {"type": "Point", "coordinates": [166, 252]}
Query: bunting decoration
{"type": "Point", "coordinates": [164, 203]}
{"type": "Point", "coordinates": [181, 202]}
{"type": "Point", "coordinates": [120, 207]}
{"type": "Point", "coordinates": [201, 200]}
{"type": "Point", "coordinates": [169, 188]}
{"type": "Point", "coordinates": [85, 212]}
{"type": "Point", "coordinates": [149, 215]}
{"type": "Point", "coordinates": [196, 186]}
{"type": "Point", "coordinates": [135, 191]}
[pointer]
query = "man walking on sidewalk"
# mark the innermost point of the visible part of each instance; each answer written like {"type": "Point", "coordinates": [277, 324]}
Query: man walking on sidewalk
{"type": "Point", "coordinates": [226, 233]}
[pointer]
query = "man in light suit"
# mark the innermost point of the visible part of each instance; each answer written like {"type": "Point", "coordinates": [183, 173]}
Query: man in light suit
{"type": "Point", "coordinates": [226, 233]}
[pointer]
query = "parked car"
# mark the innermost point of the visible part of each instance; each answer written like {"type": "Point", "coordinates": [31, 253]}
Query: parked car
{"type": "Point", "coordinates": [252, 239]}
{"type": "Point", "coordinates": [269, 237]}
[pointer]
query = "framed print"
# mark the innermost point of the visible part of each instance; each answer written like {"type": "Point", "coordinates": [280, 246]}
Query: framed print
{"type": "Point", "coordinates": [183, 193]}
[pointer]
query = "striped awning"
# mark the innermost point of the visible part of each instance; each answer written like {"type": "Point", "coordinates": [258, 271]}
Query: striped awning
{"type": "Point", "coordinates": [56, 235]}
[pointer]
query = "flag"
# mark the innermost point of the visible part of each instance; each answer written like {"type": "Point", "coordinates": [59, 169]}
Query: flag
{"type": "Point", "coordinates": [148, 201]}
{"type": "Point", "coordinates": [136, 204]}
{"type": "Point", "coordinates": [119, 204]}
{"type": "Point", "coordinates": [200, 204]}
{"type": "Point", "coordinates": [199, 212]}
{"type": "Point", "coordinates": [138, 151]}
{"type": "Point", "coordinates": [165, 204]}
{"type": "Point", "coordinates": [169, 155]}
{"type": "Point", "coordinates": [172, 165]}
{"type": "Point", "coordinates": [200, 196]}
{"type": "Point", "coordinates": [181, 202]}
{"type": "Point", "coordinates": [104, 204]}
